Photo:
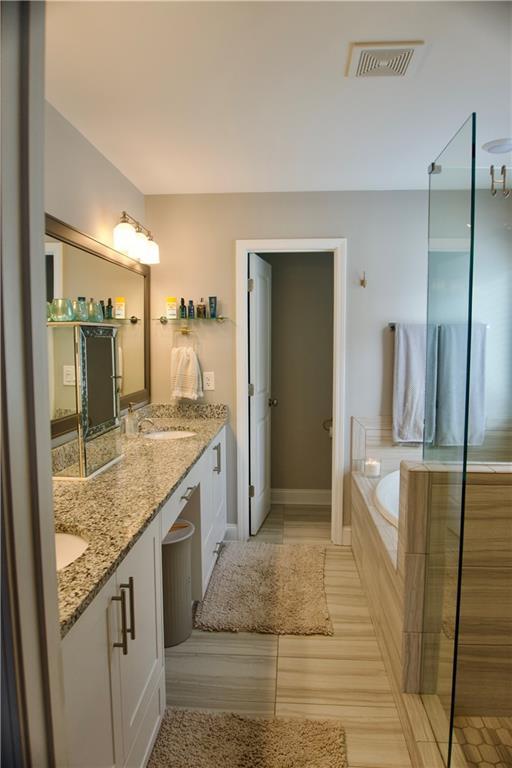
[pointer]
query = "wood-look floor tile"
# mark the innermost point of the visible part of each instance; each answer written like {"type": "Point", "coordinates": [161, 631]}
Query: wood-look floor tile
{"type": "Point", "coordinates": [337, 647]}
{"type": "Point", "coordinates": [373, 733]}
{"type": "Point", "coordinates": [226, 643]}
{"type": "Point", "coordinates": [332, 681]}
{"type": "Point", "coordinates": [244, 684]}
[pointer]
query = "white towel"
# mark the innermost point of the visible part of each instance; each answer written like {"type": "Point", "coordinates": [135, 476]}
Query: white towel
{"type": "Point", "coordinates": [452, 384]}
{"type": "Point", "coordinates": [409, 381]}
{"type": "Point", "coordinates": [186, 376]}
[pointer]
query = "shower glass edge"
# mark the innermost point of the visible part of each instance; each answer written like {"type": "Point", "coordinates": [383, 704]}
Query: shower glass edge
{"type": "Point", "coordinates": [449, 314]}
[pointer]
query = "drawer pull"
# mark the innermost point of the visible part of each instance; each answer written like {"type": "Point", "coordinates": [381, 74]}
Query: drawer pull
{"type": "Point", "coordinates": [218, 468]}
{"type": "Point", "coordinates": [130, 588]}
{"type": "Point", "coordinates": [124, 632]}
{"type": "Point", "coordinates": [188, 493]}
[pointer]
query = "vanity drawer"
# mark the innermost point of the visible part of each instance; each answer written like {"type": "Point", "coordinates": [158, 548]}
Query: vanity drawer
{"type": "Point", "coordinates": [211, 547]}
{"type": "Point", "coordinates": [174, 507]}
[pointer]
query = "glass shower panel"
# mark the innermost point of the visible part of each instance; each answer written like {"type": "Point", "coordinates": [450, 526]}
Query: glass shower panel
{"type": "Point", "coordinates": [482, 704]}
{"type": "Point", "coordinates": [450, 263]}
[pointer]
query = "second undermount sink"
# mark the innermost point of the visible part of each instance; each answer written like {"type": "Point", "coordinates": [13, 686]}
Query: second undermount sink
{"type": "Point", "coordinates": [68, 548]}
{"type": "Point", "coordinates": [171, 434]}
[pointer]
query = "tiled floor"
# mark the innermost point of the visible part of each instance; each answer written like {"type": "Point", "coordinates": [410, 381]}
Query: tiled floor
{"type": "Point", "coordinates": [341, 677]}
{"type": "Point", "coordinates": [485, 741]}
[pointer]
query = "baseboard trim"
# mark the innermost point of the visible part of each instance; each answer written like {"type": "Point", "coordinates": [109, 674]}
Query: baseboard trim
{"type": "Point", "coordinates": [231, 532]}
{"type": "Point", "coordinates": [303, 497]}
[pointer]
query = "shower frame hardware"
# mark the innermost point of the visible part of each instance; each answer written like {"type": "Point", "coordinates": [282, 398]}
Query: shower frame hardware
{"type": "Point", "coordinates": [497, 181]}
{"type": "Point", "coordinates": [363, 282]}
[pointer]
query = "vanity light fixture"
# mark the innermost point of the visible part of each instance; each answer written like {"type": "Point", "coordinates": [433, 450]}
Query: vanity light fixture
{"type": "Point", "coordinates": [135, 240]}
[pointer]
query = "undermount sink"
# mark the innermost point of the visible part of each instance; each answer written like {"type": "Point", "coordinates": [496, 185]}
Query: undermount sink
{"type": "Point", "coordinates": [68, 548]}
{"type": "Point", "coordinates": [171, 434]}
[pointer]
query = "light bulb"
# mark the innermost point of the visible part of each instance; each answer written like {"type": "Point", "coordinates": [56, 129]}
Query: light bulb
{"type": "Point", "coordinates": [138, 248]}
{"type": "Point", "coordinates": [151, 253]}
{"type": "Point", "coordinates": [124, 235]}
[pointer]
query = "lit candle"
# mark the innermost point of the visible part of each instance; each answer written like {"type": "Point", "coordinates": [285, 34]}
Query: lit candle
{"type": "Point", "coordinates": [372, 468]}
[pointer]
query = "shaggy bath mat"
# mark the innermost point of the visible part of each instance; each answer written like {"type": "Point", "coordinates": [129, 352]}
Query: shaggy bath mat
{"type": "Point", "coordinates": [269, 588]}
{"type": "Point", "coordinates": [189, 739]}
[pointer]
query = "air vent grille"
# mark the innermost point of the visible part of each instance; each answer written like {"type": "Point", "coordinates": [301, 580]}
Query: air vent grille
{"type": "Point", "coordinates": [384, 63]}
{"type": "Point", "coordinates": [397, 59]}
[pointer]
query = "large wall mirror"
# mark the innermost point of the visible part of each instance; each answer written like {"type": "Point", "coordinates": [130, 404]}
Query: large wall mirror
{"type": "Point", "coordinates": [78, 265]}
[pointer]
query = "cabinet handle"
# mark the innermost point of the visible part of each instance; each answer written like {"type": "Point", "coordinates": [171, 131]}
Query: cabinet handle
{"type": "Point", "coordinates": [130, 588]}
{"type": "Point", "coordinates": [188, 493]}
{"type": "Point", "coordinates": [124, 633]}
{"type": "Point", "coordinates": [218, 468]}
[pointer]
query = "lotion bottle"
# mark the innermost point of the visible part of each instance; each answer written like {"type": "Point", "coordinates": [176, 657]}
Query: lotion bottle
{"type": "Point", "coordinates": [131, 422]}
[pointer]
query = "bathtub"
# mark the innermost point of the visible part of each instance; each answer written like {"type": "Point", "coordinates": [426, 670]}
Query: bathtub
{"type": "Point", "coordinates": [386, 496]}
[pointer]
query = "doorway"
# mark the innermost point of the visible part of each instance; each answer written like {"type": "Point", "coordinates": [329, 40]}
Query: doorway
{"type": "Point", "coordinates": [256, 400]}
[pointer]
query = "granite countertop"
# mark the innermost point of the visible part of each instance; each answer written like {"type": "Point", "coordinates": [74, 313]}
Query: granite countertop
{"type": "Point", "coordinates": [111, 510]}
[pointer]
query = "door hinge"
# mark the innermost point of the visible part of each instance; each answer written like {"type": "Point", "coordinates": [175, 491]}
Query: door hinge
{"type": "Point", "coordinates": [250, 284]}
{"type": "Point", "coordinates": [251, 390]}
{"type": "Point", "coordinates": [252, 492]}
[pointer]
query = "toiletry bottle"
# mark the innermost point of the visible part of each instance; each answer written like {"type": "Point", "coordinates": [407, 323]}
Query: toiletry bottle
{"type": "Point", "coordinates": [109, 310]}
{"type": "Point", "coordinates": [103, 309]}
{"type": "Point", "coordinates": [183, 310]}
{"type": "Point", "coordinates": [171, 307]}
{"type": "Point", "coordinates": [131, 422]}
{"type": "Point", "coordinates": [201, 310]}
{"type": "Point", "coordinates": [120, 308]}
{"type": "Point", "coordinates": [191, 310]}
{"type": "Point", "coordinates": [212, 301]}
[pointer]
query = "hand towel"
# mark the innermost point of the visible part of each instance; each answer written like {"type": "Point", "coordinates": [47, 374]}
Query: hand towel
{"type": "Point", "coordinates": [452, 381]}
{"type": "Point", "coordinates": [186, 376]}
{"type": "Point", "coordinates": [412, 342]}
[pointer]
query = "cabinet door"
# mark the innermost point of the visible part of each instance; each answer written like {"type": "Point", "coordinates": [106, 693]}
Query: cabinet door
{"type": "Point", "coordinates": [214, 526]}
{"type": "Point", "coordinates": [140, 670]}
{"type": "Point", "coordinates": [218, 458]}
{"type": "Point", "coordinates": [87, 654]}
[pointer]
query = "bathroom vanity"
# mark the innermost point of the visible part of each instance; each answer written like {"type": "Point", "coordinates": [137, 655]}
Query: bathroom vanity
{"type": "Point", "coordinates": [111, 605]}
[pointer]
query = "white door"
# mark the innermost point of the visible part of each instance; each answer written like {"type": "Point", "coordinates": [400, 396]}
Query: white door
{"type": "Point", "coordinates": [260, 296]}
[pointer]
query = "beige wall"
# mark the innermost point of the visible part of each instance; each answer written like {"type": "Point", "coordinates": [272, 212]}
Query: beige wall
{"type": "Point", "coordinates": [386, 236]}
{"type": "Point", "coordinates": [302, 339]}
{"type": "Point", "coordinates": [82, 187]}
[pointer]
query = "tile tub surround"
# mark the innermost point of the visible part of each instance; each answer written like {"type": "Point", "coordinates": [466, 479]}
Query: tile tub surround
{"type": "Point", "coordinates": [112, 510]}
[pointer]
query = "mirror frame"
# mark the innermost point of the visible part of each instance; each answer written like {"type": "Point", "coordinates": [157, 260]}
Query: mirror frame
{"type": "Point", "coordinates": [68, 234]}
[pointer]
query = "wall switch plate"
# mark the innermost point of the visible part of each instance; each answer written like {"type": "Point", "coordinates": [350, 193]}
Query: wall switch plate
{"type": "Point", "coordinates": [68, 375]}
{"type": "Point", "coordinates": [208, 380]}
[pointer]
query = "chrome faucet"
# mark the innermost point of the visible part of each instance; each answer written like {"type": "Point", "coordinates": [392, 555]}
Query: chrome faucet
{"type": "Point", "coordinates": [141, 422]}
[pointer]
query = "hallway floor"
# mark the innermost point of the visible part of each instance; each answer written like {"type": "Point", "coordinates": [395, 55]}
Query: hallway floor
{"type": "Point", "coordinates": [340, 677]}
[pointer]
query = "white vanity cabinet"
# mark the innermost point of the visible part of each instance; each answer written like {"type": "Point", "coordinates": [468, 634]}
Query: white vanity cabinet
{"type": "Point", "coordinates": [113, 656]}
{"type": "Point", "coordinates": [114, 684]}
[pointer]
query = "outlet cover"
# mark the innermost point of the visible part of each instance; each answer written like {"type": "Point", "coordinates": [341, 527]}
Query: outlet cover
{"type": "Point", "coordinates": [68, 375]}
{"type": "Point", "coordinates": [208, 380]}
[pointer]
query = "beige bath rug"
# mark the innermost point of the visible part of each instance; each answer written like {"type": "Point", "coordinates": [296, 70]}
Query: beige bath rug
{"type": "Point", "coordinates": [189, 739]}
{"type": "Point", "coordinates": [270, 588]}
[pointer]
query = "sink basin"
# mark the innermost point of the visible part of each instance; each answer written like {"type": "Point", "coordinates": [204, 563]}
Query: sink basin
{"type": "Point", "coordinates": [68, 547]}
{"type": "Point", "coordinates": [171, 434]}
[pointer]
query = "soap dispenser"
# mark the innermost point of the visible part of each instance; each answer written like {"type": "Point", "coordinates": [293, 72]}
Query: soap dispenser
{"type": "Point", "coordinates": [131, 422]}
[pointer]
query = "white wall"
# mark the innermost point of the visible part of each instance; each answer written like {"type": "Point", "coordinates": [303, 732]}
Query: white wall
{"type": "Point", "coordinates": [386, 233]}
{"type": "Point", "coordinates": [82, 188]}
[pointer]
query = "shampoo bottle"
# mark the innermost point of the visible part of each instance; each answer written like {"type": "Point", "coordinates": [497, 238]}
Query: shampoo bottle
{"type": "Point", "coordinates": [171, 308]}
{"type": "Point", "coordinates": [183, 310]}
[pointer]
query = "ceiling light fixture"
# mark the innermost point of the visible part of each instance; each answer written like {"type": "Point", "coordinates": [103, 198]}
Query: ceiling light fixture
{"type": "Point", "coordinates": [135, 240]}
{"type": "Point", "coordinates": [498, 146]}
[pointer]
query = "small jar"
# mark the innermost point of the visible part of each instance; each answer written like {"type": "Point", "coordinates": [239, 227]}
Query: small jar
{"type": "Point", "coordinates": [61, 311]}
{"type": "Point", "coordinates": [80, 309]}
{"type": "Point", "coordinates": [94, 312]}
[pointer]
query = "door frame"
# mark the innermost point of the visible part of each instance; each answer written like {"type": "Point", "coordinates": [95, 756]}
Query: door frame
{"type": "Point", "coordinates": [338, 247]}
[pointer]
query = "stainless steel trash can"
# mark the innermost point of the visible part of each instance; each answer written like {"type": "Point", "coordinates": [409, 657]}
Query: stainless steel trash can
{"type": "Point", "coordinates": [177, 582]}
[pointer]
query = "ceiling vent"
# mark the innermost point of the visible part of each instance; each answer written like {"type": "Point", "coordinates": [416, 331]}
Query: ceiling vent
{"type": "Point", "coordinates": [386, 59]}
